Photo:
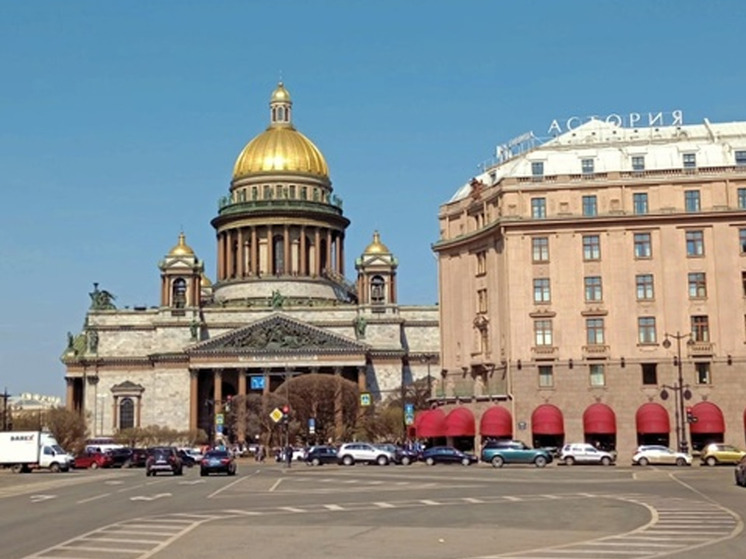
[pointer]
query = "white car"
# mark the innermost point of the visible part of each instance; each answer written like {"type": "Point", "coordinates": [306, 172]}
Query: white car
{"type": "Point", "coordinates": [349, 453]}
{"type": "Point", "coordinates": [657, 454]}
{"type": "Point", "coordinates": [583, 453]}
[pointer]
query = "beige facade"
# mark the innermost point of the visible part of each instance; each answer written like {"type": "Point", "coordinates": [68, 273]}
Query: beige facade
{"type": "Point", "coordinates": [565, 268]}
{"type": "Point", "coordinates": [281, 305]}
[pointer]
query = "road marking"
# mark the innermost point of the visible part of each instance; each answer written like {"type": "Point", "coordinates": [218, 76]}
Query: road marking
{"type": "Point", "coordinates": [114, 482]}
{"type": "Point", "coordinates": [385, 505]}
{"type": "Point", "coordinates": [89, 499]}
{"type": "Point", "coordinates": [292, 509]}
{"type": "Point", "coordinates": [217, 492]}
{"type": "Point", "coordinates": [473, 500]}
{"type": "Point", "coordinates": [151, 498]}
{"type": "Point", "coordinates": [40, 498]}
{"type": "Point", "coordinates": [276, 484]}
{"type": "Point", "coordinates": [428, 502]}
{"type": "Point", "coordinates": [333, 507]}
{"type": "Point", "coordinates": [193, 482]}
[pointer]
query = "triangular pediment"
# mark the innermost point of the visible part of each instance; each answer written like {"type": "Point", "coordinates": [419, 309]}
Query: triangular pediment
{"type": "Point", "coordinates": [279, 334]}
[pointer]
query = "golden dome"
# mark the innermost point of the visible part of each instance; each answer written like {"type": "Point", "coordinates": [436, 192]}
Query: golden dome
{"type": "Point", "coordinates": [181, 249]}
{"type": "Point", "coordinates": [376, 247]}
{"type": "Point", "coordinates": [280, 148]}
{"type": "Point", "coordinates": [204, 281]}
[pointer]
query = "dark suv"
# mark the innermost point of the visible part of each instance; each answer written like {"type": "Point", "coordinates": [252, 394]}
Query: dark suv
{"type": "Point", "coordinates": [163, 459]}
{"type": "Point", "coordinates": [498, 453]}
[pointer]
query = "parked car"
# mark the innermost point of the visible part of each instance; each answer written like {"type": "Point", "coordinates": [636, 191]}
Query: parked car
{"type": "Point", "coordinates": [92, 459]}
{"type": "Point", "coordinates": [163, 459]}
{"type": "Point", "coordinates": [218, 461]}
{"type": "Point", "coordinates": [657, 454]}
{"type": "Point", "coordinates": [138, 458]}
{"type": "Point", "coordinates": [717, 453]}
{"type": "Point", "coordinates": [349, 453]}
{"type": "Point", "coordinates": [318, 455]}
{"type": "Point", "coordinates": [120, 457]}
{"type": "Point", "coordinates": [447, 455]}
{"type": "Point", "coordinates": [583, 453]}
{"type": "Point", "coordinates": [741, 472]}
{"type": "Point", "coordinates": [499, 453]}
{"type": "Point", "coordinates": [402, 455]}
{"type": "Point", "coordinates": [186, 458]}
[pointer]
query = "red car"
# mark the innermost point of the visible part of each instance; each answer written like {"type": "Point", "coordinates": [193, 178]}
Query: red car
{"type": "Point", "coordinates": [92, 460]}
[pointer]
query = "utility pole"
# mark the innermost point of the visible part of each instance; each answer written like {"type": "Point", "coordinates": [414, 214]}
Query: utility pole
{"type": "Point", "coordinates": [5, 397]}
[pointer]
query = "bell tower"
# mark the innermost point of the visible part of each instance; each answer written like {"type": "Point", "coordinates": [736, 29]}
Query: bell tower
{"type": "Point", "coordinates": [376, 276]}
{"type": "Point", "coordinates": [181, 277]}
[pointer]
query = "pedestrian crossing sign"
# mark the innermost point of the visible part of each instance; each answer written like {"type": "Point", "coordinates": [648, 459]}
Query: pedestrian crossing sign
{"type": "Point", "coordinates": [365, 399]}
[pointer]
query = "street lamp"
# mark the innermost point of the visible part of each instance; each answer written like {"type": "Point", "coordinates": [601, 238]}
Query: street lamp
{"type": "Point", "coordinates": [428, 358]}
{"type": "Point", "coordinates": [680, 389]}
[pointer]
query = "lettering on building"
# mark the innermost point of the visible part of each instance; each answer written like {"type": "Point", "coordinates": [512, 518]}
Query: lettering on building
{"type": "Point", "coordinates": [631, 120]}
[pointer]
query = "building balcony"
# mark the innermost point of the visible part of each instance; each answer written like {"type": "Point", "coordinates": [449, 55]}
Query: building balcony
{"type": "Point", "coordinates": [700, 348]}
{"type": "Point", "coordinates": [596, 351]}
{"type": "Point", "coordinates": [545, 352]}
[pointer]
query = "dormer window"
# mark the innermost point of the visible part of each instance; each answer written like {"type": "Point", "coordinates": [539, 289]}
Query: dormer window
{"type": "Point", "coordinates": [587, 166]}
{"type": "Point", "coordinates": [689, 160]}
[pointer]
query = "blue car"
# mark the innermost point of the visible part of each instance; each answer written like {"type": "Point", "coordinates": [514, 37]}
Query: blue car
{"type": "Point", "coordinates": [447, 455]}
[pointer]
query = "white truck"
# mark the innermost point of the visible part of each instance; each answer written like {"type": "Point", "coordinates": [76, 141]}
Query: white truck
{"type": "Point", "coordinates": [23, 451]}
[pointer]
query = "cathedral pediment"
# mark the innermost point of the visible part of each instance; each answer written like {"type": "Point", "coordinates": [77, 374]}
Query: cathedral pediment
{"type": "Point", "coordinates": [279, 334]}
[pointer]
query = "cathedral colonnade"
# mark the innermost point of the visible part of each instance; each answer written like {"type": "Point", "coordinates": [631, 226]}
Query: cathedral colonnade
{"type": "Point", "coordinates": [276, 250]}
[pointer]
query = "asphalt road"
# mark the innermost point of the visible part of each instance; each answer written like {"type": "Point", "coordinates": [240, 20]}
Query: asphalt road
{"type": "Point", "coordinates": [414, 512]}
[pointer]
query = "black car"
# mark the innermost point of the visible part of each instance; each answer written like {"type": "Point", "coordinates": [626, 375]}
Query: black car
{"type": "Point", "coordinates": [318, 455]}
{"type": "Point", "coordinates": [217, 461]}
{"type": "Point", "coordinates": [163, 459]}
{"type": "Point", "coordinates": [139, 457]}
{"type": "Point", "coordinates": [120, 457]}
{"type": "Point", "coordinates": [401, 454]}
{"type": "Point", "coordinates": [447, 455]}
{"type": "Point", "coordinates": [187, 459]}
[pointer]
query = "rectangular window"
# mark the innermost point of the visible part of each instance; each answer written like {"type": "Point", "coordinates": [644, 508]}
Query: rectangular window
{"type": "Point", "coordinates": [543, 332]}
{"type": "Point", "coordinates": [541, 290]}
{"type": "Point", "coordinates": [742, 240]}
{"type": "Point", "coordinates": [649, 373]}
{"type": "Point", "coordinates": [691, 200]}
{"type": "Point", "coordinates": [538, 208]}
{"type": "Point", "coordinates": [740, 158]}
{"type": "Point", "coordinates": [593, 290]}
{"type": "Point", "coordinates": [689, 160]}
{"type": "Point", "coordinates": [703, 373]}
{"type": "Point", "coordinates": [646, 330]}
{"type": "Point", "coordinates": [594, 328]}
{"type": "Point", "coordinates": [484, 341]}
{"type": "Point", "coordinates": [304, 193]}
{"type": "Point", "coordinates": [695, 243]}
{"type": "Point", "coordinates": [697, 285]}
{"type": "Point", "coordinates": [700, 328]}
{"type": "Point", "coordinates": [643, 245]}
{"type": "Point", "coordinates": [482, 300]}
{"type": "Point", "coordinates": [743, 283]}
{"type": "Point", "coordinates": [591, 247]}
{"type": "Point", "coordinates": [644, 284]}
{"type": "Point", "coordinates": [742, 198]}
{"type": "Point", "coordinates": [640, 203]}
{"type": "Point", "coordinates": [546, 376]}
{"type": "Point", "coordinates": [481, 263]}
{"type": "Point", "coordinates": [587, 166]}
{"type": "Point", "coordinates": [540, 249]}
{"type": "Point", "coordinates": [537, 169]}
{"type": "Point", "coordinates": [267, 192]}
{"type": "Point", "coordinates": [638, 163]}
{"type": "Point", "coordinates": [590, 207]}
{"type": "Point", "coordinates": [597, 375]}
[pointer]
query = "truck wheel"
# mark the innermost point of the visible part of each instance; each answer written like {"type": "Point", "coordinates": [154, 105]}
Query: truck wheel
{"type": "Point", "coordinates": [17, 468]}
{"type": "Point", "coordinates": [54, 467]}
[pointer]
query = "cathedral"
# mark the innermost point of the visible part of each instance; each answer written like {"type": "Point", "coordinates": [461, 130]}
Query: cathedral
{"type": "Point", "coordinates": [280, 306]}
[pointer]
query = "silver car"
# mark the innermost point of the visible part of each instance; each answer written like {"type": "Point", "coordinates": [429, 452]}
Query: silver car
{"type": "Point", "coordinates": [349, 453]}
{"type": "Point", "coordinates": [583, 453]}
{"type": "Point", "coordinates": [656, 454]}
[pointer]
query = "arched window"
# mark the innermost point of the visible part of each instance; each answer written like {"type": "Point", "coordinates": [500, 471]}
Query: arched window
{"type": "Point", "coordinates": [278, 252]}
{"type": "Point", "coordinates": [280, 113]}
{"type": "Point", "coordinates": [126, 413]}
{"type": "Point", "coordinates": [267, 192]}
{"type": "Point", "coordinates": [179, 293]}
{"type": "Point", "coordinates": [377, 293]}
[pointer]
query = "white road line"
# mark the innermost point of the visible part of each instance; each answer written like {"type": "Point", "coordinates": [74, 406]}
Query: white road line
{"type": "Point", "coordinates": [219, 491]}
{"type": "Point", "coordinates": [333, 507]}
{"type": "Point", "coordinates": [385, 505]}
{"type": "Point", "coordinates": [89, 499]}
{"type": "Point", "coordinates": [276, 484]}
{"type": "Point", "coordinates": [98, 549]}
{"type": "Point", "coordinates": [122, 540]}
{"type": "Point", "coordinates": [429, 502]}
{"type": "Point", "coordinates": [473, 500]}
{"type": "Point", "coordinates": [292, 509]}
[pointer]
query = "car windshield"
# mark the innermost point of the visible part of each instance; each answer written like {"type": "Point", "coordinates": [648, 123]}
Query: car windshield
{"type": "Point", "coordinates": [217, 454]}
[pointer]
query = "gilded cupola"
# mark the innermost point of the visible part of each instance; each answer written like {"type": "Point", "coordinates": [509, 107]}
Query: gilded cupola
{"type": "Point", "coordinates": [280, 148]}
{"type": "Point", "coordinates": [376, 247]}
{"type": "Point", "coordinates": [181, 249]}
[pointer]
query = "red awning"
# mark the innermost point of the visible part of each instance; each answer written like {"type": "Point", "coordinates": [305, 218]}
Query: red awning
{"type": "Point", "coordinates": [599, 419]}
{"type": "Point", "coordinates": [652, 418]}
{"type": "Point", "coordinates": [496, 422]}
{"type": "Point", "coordinates": [460, 423]}
{"type": "Point", "coordinates": [709, 419]}
{"type": "Point", "coordinates": [547, 420]}
{"type": "Point", "coordinates": [432, 424]}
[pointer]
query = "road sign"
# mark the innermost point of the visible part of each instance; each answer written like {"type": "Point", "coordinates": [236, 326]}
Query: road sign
{"type": "Point", "coordinates": [409, 414]}
{"type": "Point", "coordinates": [257, 383]}
{"type": "Point", "coordinates": [219, 429]}
{"type": "Point", "coordinates": [219, 419]}
{"type": "Point", "coordinates": [276, 415]}
{"type": "Point", "coordinates": [408, 419]}
{"type": "Point", "coordinates": [365, 399]}
{"type": "Point", "coordinates": [311, 426]}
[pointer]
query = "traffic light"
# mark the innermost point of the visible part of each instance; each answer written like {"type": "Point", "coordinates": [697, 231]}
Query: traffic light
{"type": "Point", "coordinates": [228, 401]}
{"type": "Point", "coordinates": [690, 418]}
{"type": "Point", "coordinates": [285, 414]}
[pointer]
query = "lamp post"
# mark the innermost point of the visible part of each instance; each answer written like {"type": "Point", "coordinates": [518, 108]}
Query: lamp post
{"type": "Point", "coordinates": [680, 389]}
{"type": "Point", "coordinates": [428, 358]}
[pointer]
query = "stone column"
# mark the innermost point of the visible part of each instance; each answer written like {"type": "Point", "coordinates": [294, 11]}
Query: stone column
{"type": "Point", "coordinates": [341, 263]}
{"type": "Point", "coordinates": [217, 392]}
{"type": "Point", "coordinates": [242, 400]}
{"type": "Point", "coordinates": [253, 254]}
{"type": "Point", "coordinates": [392, 281]}
{"type": "Point", "coordinates": [338, 254]}
{"type": "Point", "coordinates": [329, 263]}
{"type": "Point", "coordinates": [303, 252]}
{"type": "Point", "coordinates": [138, 415]}
{"type": "Point", "coordinates": [270, 251]}
{"type": "Point", "coordinates": [221, 256]}
{"type": "Point", "coordinates": [193, 399]}
{"type": "Point", "coordinates": [114, 414]}
{"type": "Point", "coordinates": [230, 256]}
{"type": "Point", "coordinates": [317, 252]}
{"type": "Point", "coordinates": [287, 265]}
{"type": "Point", "coordinates": [362, 383]}
{"type": "Point", "coordinates": [241, 256]}
{"type": "Point", "coordinates": [70, 394]}
{"type": "Point", "coordinates": [338, 401]}
{"type": "Point", "coordinates": [265, 391]}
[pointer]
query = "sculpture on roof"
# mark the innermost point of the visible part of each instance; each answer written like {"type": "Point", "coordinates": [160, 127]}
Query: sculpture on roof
{"type": "Point", "coordinates": [277, 300]}
{"type": "Point", "coordinates": [101, 300]}
{"type": "Point", "coordinates": [360, 325]}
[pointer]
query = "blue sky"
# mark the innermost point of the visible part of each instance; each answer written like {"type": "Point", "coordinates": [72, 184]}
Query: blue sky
{"type": "Point", "coordinates": [120, 123]}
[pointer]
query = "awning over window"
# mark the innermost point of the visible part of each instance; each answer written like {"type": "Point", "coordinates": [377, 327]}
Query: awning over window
{"type": "Point", "coordinates": [652, 418]}
{"type": "Point", "coordinates": [547, 420]}
{"type": "Point", "coordinates": [496, 422]}
{"type": "Point", "coordinates": [432, 424]}
{"type": "Point", "coordinates": [460, 423]}
{"type": "Point", "coordinates": [709, 419]}
{"type": "Point", "coordinates": [599, 419]}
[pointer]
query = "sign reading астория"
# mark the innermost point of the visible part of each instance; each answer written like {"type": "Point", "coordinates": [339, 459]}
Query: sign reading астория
{"type": "Point", "coordinates": [660, 118]}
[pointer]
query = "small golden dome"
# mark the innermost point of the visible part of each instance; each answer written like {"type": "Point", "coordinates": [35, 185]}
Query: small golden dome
{"type": "Point", "coordinates": [280, 95]}
{"type": "Point", "coordinates": [181, 249]}
{"type": "Point", "coordinates": [204, 281]}
{"type": "Point", "coordinates": [376, 247]}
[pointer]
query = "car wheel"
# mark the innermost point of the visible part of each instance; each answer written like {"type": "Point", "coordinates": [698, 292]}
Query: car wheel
{"type": "Point", "coordinates": [680, 462]}
{"type": "Point", "coordinates": [569, 461]}
{"type": "Point", "coordinates": [643, 462]}
{"type": "Point", "coordinates": [316, 462]}
{"type": "Point", "coordinates": [540, 462]}
{"type": "Point", "coordinates": [94, 465]}
{"type": "Point", "coordinates": [348, 460]}
{"type": "Point", "coordinates": [382, 461]}
{"type": "Point", "coordinates": [606, 461]}
{"type": "Point", "coordinates": [405, 461]}
{"type": "Point", "coordinates": [430, 461]}
{"type": "Point", "coordinates": [55, 467]}
{"type": "Point", "coordinates": [465, 462]}
{"type": "Point", "coordinates": [179, 472]}
{"type": "Point", "coordinates": [711, 461]}
{"type": "Point", "coordinates": [497, 461]}
{"type": "Point", "coordinates": [203, 473]}
{"type": "Point", "coordinates": [231, 472]}
{"type": "Point", "coordinates": [127, 464]}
